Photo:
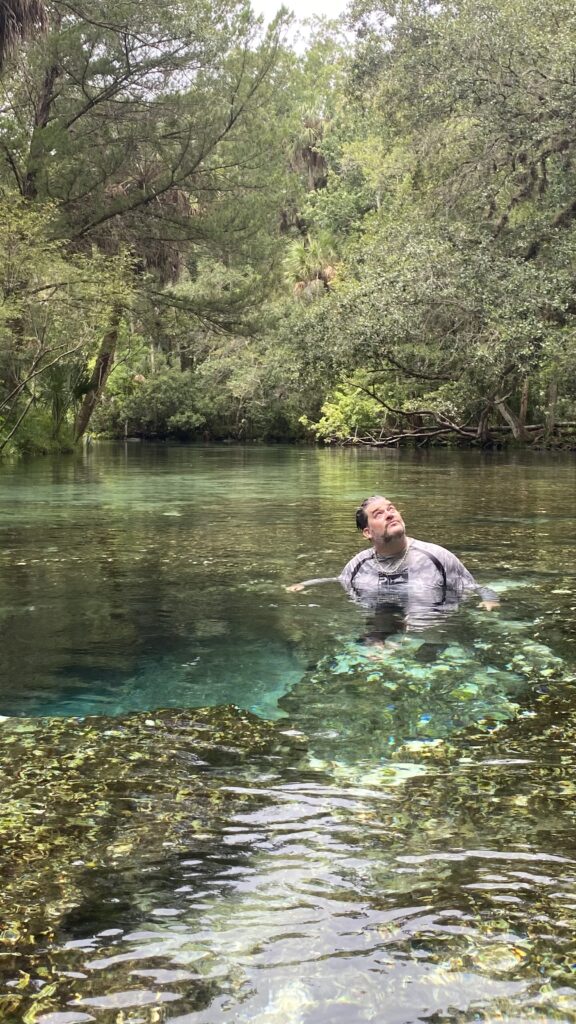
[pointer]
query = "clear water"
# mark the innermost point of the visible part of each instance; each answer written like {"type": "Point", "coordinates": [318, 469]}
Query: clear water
{"type": "Point", "coordinates": [391, 838]}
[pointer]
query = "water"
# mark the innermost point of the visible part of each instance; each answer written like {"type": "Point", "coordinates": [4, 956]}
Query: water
{"type": "Point", "coordinates": [368, 833]}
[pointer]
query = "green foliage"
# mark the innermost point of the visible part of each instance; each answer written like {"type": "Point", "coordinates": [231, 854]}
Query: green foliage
{"type": "Point", "coordinates": [150, 131]}
{"type": "Point", "coordinates": [160, 405]}
{"type": "Point", "coordinates": [309, 265]}
{"type": "Point", "coordinates": [54, 308]}
{"type": "Point", "coordinates": [236, 392]}
{"type": "Point", "coordinates": [36, 435]}
{"type": "Point", "coordinates": [449, 190]}
{"type": "Point", "coordinates": [267, 225]}
{"type": "Point", "coordinates": [348, 411]}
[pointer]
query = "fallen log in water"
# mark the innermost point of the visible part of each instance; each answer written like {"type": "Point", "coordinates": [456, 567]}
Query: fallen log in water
{"type": "Point", "coordinates": [464, 436]}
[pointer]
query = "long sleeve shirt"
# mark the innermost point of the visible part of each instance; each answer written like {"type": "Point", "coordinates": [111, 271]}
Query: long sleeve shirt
{"type": "Point", "coordinates": [425, 567]}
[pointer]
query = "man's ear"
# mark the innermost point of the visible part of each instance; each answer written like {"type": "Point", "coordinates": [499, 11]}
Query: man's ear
{"type": "Point", "coordinates": [366, 533]}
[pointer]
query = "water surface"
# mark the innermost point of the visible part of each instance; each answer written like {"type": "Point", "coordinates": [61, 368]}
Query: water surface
{"type": "Point", "coordinates": [368, 833]}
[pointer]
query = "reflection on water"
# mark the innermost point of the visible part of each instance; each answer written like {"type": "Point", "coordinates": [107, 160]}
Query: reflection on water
{"type": "Point", "coordinates": [250, 885]}
{"type": "Point", "coordinates": [389, 837]}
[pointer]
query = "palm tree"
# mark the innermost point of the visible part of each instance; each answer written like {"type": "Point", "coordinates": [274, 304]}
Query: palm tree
{"type": "Point", "coordinates": [18, 19]}
{"type": "Point", "coordinates": [306, 157]}
{"type": "Point", "coordinates": [309, 265]}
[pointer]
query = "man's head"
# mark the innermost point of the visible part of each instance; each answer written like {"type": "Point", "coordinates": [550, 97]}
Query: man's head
{"type": "Point", "coordinates": [380, 522]}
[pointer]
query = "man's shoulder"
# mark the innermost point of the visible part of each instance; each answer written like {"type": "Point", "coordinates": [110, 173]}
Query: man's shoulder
{"type": "Point", "coordinates": [357, 560]}
{"type": "Point", "coordinates": [436, 550]}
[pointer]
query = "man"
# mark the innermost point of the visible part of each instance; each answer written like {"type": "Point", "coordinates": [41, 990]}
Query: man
{"type": "Point", "coordinates": [400, 570]}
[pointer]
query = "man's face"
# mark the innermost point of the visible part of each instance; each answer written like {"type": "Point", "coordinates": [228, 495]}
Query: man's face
{"type": "Point", "coordinates": [384, 522]}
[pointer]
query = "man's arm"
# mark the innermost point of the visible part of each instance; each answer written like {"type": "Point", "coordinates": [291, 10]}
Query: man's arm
{"type": "Point", "coordinates": [312, 583]}
{"type": "Point", "coordinates": [489, 599]}
{"type": "Point", "coordinates": [344, 578]}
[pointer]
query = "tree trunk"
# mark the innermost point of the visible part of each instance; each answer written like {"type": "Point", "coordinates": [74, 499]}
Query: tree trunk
{"type": "Point", "coordinates": [100, 374]}
{"type": "Point", "coordinates": [36, 151]}
{"type": "Point", "coordinates": [512, 420]}
{"type": "Point", "coordinates": [552, 407]}
{"type": "Point", "coordinates": [523, 414]}
{"type": "Point", "coordinates": [482, 430]}
{"type": "Point", "coordinates": [18, 20]}
{"type": "Point", "coordinates": [23, 414]}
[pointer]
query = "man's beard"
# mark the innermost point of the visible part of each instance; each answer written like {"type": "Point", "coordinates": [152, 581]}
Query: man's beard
{"type": "Point", "coordinates": [394, 532]}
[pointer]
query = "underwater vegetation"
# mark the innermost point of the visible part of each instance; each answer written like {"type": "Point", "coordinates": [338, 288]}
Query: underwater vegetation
{"type": "Point", "coordinates": [368, 698]}
{"type": "Point", "coordinates": [161, 866]}
{"type": "Point", "coordinates": [85, 801]}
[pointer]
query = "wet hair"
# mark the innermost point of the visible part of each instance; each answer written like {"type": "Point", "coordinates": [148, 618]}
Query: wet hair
{"type": "Point", "coordinates": [361, 514]}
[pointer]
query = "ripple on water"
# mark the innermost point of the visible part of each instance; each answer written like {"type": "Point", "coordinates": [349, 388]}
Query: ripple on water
{"type": "Point", "coordinates": [399, 849]}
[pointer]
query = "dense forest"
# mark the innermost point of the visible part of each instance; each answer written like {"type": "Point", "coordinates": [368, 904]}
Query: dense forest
{"type": "Point", "coordinates": [212, 233]}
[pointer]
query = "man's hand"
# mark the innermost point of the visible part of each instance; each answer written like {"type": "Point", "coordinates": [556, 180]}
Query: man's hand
{"type": "Point", "coordinates": [489, 606]}
{"type": "Point", "coordinates": [294, 587]}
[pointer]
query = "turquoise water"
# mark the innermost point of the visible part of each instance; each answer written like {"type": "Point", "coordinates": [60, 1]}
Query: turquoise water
{"type": "Point", "coordinates": [140, 577]}
{"type": "Point", "coordinates": [399, 848]}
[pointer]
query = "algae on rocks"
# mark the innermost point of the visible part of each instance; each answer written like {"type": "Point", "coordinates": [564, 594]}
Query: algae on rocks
{"type": "Point", "coordinates": [87, 801]}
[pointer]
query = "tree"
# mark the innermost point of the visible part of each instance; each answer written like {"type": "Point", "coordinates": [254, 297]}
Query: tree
{"type": "Point", "coordinates": [450, 190]}
{"type": "Point", "coordinates": [53, 309]}
{"type": "Point", "coordinates": [148, 129]}
{"type": "Point", "coordinates": [18, 20]}
{"type": "Point", "coordinates": [309, 264]}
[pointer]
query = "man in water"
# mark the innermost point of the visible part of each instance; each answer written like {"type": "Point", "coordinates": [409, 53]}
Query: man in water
{"type": "Point", "coordinates": [399, 571]}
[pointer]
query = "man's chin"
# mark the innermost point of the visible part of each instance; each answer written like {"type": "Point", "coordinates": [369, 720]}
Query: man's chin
{"type": "Point", "coordinates": [393, 532]}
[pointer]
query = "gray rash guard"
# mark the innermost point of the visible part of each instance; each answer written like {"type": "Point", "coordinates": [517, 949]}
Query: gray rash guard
{"type": "Point", "coordinates": [425, 568]}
